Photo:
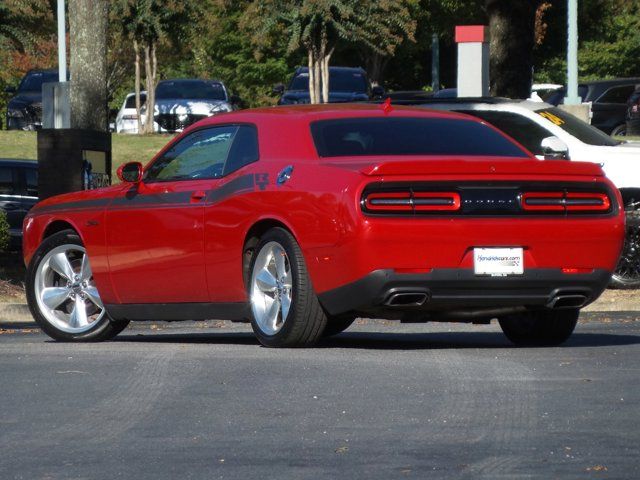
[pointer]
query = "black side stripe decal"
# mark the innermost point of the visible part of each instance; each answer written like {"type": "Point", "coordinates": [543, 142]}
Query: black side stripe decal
{"type": "Point", "coordinates": [133, 198]}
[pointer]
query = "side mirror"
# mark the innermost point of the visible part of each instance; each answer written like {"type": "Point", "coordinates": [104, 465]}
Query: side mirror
{"type": "Point", "coordinates": [554, 149]}
{"type": "Point", "coordinates": [130, 172]}
{"type": "Point", "coordinates": [377, 92]}
{"type": "Point", "coordinates": [278, 89]}
{"type": "Point", "coordinates": [10, 90]}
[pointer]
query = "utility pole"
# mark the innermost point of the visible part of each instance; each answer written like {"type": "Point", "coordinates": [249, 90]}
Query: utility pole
{"type": "Point", "coordinates": [572, 97]}
{"type": "Point", "coordinates": [62, 44]}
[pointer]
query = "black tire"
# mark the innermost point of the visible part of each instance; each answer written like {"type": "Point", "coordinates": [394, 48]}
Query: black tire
{"type": "Point", "coordinates": [619, 131]}
{"type": "Point", "coordinates": [627, 273]}
{"type": "Point", "coordinates": [104, 329]}
{"type": "Point", "coordinates": [305, 320]}
{"type": "Point", "coordinates": [336, 325]}
{"type": "Point", "coordinates": [541, 327]}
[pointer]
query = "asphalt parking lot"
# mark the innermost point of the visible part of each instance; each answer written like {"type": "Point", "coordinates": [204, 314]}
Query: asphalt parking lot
{"type": "Point", "coordinates": [383, 400]}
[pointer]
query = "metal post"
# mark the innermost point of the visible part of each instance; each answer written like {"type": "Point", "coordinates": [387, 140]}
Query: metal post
{"type": "Point", "coordinates": [572, 97]}
{"type": "Point", "coordinates": [435, 63]}
{"type": "Point", "coordinates": [62, 44]}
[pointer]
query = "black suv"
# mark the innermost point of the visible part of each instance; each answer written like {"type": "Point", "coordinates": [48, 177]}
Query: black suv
{"type": "Point", "coordinates": [346, 84]}
{"type": "Point", "coordinates": [609, 99]}
{"type": "Point", "coordinates": [633, 113]}
{"type": "Point", "coordinates": [24, 111]}
{"type": "Point", "coordinates": [18, 193]}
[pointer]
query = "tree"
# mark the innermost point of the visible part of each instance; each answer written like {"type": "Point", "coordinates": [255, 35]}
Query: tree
{"type": "Point", "coordinates": [512, 28]}
{"type": "Point", "coordinates": [147, 23]}
{"type": "Point", "coordinates": [318, 25]}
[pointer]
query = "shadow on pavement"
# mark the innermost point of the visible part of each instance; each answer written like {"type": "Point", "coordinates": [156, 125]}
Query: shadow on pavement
{"type": "Point", "coordinates": [386, 341]}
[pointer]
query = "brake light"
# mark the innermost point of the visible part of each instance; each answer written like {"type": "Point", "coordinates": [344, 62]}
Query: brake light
{"type": "Point", "coordinates": [410, 202]}
{"type": "Point", "coordinates": [565, 201]}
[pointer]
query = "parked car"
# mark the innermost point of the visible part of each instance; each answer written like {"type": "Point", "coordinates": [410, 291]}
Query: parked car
{"type": "Point", "coordinates": [550, 132]}
{"type": "Point", "coordinates": [127, 118]}
{"type": "Point", "coordinates": [346, 84]}
{"type": "Point", "coordinates": [18, 193]}
{"type": "Point", "coordinates": [609, 102]}
{"type": "Point", "coordinates": [24, 110]}
{"type": "Point", "coordinates": [633, 113]}
{"type": "Point", "coordinates": [360, 210]}
{"type": "Point", "coordinates": [539, 91]}
{"type": "Point", "coordinates": [182, 102]}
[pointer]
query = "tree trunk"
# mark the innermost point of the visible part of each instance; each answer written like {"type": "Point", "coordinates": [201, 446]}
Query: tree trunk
{"type": "Point", "coordinates": [312, 92]}
{"type": "Point", "coordinates": [150, 70]}
{"type": "Point", "coordinates": [317, 74]}
{"type": "Point", "coordinates": [136, 49]}
{"type": "Point", "coordinates": [88, 20]}
{"type": "Point", "coordinates": [325, 75]}
{"type": "Point", "coordinates": [375, 65]}
{"type": "Point", "coordinates": [512, 27]}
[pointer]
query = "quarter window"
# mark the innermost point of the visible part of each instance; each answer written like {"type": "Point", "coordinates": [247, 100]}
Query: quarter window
{"type": "Point", "coordinates": [31, 178]}
{"type": "Point", "coordinates": [617, 94]}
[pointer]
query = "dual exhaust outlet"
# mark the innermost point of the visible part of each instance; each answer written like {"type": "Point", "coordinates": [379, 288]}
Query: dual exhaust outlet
{"type": "Point", "coordinates": [417, 298]}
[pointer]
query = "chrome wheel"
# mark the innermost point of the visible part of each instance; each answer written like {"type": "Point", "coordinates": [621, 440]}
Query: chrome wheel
{"type": "Point", "coordinates": [627, 273]}
{"type": "Point", "coordinates": [271, 288]}
{"type": "Point", "coordinates": [65, 292]}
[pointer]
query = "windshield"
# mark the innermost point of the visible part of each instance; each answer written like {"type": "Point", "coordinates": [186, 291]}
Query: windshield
{"type": "Point", "coordinates": [339, 81]}
{"type": "Point", "coordinates": [581, 130]}
{"type": "Point", "coordinates": [34, 80]}
{"type": "Point", "coordinates": [410, 136]}
{"type": "Point", "coordinates": [190, 90]}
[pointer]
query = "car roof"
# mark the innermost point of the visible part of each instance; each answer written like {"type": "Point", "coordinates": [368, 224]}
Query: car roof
{"type": "Point", "coordinates": [398, 98]}
{"type": "Point", "coordinates": [186, 80]}
{"type": "Point", "coordinates": [612, 81]}
{"type": "Point", "coordinates": [334, 69]}
{"type": "Point", "coordinates": [311, 112]}
{"type": "Point", "coordinates": [18, 162]}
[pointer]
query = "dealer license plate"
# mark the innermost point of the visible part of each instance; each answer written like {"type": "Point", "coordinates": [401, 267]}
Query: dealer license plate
{"type": "Point", "coordinates": [498, 262]}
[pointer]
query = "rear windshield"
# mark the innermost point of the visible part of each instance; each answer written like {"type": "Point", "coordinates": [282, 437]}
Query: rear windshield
{"type": "Point", "coordinates": [34, 80]}
{"type": "Point", "coordinates": [410, 136]}
{"type": "Point", "coordinates": [190, 90]}
{"type": "Point", "coordinates": [131, 101]}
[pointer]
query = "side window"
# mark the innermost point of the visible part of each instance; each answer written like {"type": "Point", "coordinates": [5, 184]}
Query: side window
{"type": "Point", "coordinates": [202, 154]}
{"type": "Point", "coordinates": [244, 149]}
{"type": "Point", "coordinates": [523, 130]}
{"type": "Point", "coordinates": [617, 94]}
{"type": "Point", "coordinates": [31, 178]}
{"type": "Point", "coordinates": [6, 181]}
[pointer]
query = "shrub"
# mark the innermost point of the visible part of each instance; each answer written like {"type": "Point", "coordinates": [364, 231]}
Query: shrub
{"type": "Point", "coordinates": [4, 231]}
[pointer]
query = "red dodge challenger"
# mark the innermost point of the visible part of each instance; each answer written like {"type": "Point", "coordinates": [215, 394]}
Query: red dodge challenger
{"type": "Point", "coordinates": [300, 219]}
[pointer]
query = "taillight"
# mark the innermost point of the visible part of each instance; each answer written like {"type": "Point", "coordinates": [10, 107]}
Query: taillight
{"type": "Point", "coordinates": [410, 202]}
{"type": "Point", "coordinates": [565, 202]}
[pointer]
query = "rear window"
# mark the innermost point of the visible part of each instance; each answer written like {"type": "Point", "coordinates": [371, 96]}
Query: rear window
{"type": "Point", "coordinates": [410, 136]}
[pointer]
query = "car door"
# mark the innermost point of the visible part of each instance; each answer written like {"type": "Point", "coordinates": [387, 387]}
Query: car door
{"type": "Point", "coordinates": [154, 230]}
{"type": "Point", "coordinates": [609, 111]}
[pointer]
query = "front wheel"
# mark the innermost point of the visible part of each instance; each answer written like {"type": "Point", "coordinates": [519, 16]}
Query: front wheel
{"type": "Point", "coordinates": [540, 327]}
{"type": "Point", "coordinates": [285, 309]}
{"type": "Point", "coordinates": [62, 296]}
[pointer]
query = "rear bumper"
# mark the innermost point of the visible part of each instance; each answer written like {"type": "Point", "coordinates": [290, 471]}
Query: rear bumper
{"type": "Point", "coordinates": [386, 293]}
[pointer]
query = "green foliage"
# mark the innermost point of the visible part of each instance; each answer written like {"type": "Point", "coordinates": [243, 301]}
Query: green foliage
{"type": "Point", "coordinates": [4, 231]}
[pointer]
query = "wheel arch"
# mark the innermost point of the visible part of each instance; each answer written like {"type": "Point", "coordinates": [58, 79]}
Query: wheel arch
{"type": "Point", "coordinates": [630, 195]}
{"type": "Point", "coordinates": [252, 238]}
{"type": "Point", "coordinates": [56, 226]}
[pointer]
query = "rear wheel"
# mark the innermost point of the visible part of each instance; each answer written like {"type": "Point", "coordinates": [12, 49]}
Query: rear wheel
{"type": "Point", "coordinates": [627, 273]}
{"type": "Point", "coordinates": [541, 327]}
{"type": "Point", "coordinates": [285, 309]}
{"type": "Point", "coordinates": [619, 131]}
{"type": "Point", "coordinates": [62, 295]}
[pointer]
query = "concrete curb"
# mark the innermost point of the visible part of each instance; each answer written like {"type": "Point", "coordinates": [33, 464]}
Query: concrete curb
{"type": "Point", "coordinates": [11, 313]}
{"type": "Point", "coordinates": [610, 301]}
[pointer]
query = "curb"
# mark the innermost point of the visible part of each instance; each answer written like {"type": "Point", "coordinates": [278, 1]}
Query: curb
{"type": "Point", "coordinates": [11, 313]}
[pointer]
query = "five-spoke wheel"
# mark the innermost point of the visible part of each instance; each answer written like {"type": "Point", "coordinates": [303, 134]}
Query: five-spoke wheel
{"type": "Point", "coordinates": [285, 310]}
{"type": "Point", "coordinates": [62, 295]}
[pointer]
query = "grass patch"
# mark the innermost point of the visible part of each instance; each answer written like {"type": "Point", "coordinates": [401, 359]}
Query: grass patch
{"type": "Point", "coordinates": [125, 148]}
